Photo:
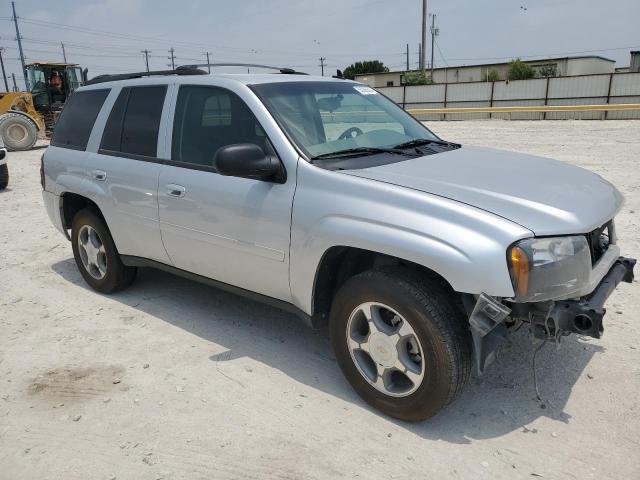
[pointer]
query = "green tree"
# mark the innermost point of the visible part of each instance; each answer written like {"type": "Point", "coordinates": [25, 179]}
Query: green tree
{"type": "Point", "coordinates": [549, 70]}
{"type": "Point", "coordinates": [518, 70]}
{"type": "Point", "coordinates": [365, 66]}
{"type": "Point", "coordinates": [490, 76]}
{"type": "Point", "coordinates": [417, 78]}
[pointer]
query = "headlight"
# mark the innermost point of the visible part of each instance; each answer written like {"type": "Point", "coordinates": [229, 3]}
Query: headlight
{"type": "Point", "coordinates": [547, 268]}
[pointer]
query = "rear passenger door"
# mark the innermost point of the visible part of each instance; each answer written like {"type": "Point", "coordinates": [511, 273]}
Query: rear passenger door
{"type": "Point", "coordinates": [126, 168]}
{"type": "Point", "coordinates": [234, 230]}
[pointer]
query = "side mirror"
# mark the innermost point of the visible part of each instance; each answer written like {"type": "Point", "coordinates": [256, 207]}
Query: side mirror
{"type": "Point", "coordinates": [247, 160]}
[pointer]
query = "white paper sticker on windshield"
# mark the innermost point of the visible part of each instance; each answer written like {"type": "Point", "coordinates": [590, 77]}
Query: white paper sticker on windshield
{"type": "Point", "coordinates": [365, 90]}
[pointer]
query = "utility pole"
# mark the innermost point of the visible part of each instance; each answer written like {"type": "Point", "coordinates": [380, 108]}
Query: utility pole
{"type": "Point", "coordinates": [15, 85]}
{"type": "Point", "coordinates": [420, 56]}
{"type": "Point", "coordinates": [434, 34]}
{"type": "Point", "coordinates": [64, 53]}
{"type": "Point", "coordinates": [424, 38]}
{"type": "Point", "coordinates": [208, 62]}
{"type": "Point", "coordinates": [4, 74]}
{"type": "Point", "coordinates": [19, 39]}
{"type": "Point", "coordinates": [322, 64]}
{"type": "Point", "coordinates": [172, 58]}
{"type": "Point", "coordinates": [408, 66]}
{"type": "Point", "coordinates": [146, 58]}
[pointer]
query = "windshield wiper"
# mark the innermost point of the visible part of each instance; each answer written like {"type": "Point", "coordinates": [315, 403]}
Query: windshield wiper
{"type": "Point", "coordinates": [420, 141]}
{"type": "Point", "coordinates": [350, 152]}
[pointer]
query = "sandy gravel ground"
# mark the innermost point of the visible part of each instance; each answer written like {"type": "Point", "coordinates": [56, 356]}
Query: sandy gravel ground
{"type": "Point", "coordinates": [175, 380]}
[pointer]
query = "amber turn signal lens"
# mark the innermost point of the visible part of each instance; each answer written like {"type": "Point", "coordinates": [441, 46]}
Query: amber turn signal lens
{"type": "Point", "coordinates": [520, 269]}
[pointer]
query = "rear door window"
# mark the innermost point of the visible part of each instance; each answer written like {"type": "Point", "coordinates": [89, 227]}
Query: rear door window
{"type": "Point", "coordinates": [77, 118]}
{"type": "Point", "coordinates": [134, 122]}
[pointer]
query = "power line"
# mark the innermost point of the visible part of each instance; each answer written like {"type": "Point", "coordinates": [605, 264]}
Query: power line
{"type": "Point", "coordinates": [441, 55]}
{"type": "Point", "coordinates": [192, 45]}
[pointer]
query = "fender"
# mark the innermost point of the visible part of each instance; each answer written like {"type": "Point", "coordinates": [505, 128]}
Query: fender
{"type": "Point", "coordinates": [39, 126]}
{"type": "Point", "coordinates": [463, 244]}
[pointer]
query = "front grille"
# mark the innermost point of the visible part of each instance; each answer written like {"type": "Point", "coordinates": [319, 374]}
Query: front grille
{"type": "Point", "coordinates": [599, 241]}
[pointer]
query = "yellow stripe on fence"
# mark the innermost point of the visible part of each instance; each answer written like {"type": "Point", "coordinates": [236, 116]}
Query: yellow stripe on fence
{"type": "Point", "coordinates": [520, 109]}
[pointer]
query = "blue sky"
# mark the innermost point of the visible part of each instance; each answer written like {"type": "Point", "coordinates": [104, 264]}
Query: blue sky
{"type": "Point", "coordinates": [107, 35]}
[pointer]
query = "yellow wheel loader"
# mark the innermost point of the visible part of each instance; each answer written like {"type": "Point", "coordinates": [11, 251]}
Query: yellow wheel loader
{"type": "Point", "coordinates": [27, 116]}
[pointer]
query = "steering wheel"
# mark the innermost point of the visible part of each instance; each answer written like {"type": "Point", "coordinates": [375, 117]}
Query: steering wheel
{"type": "Point", "coordinates": [349, 133]}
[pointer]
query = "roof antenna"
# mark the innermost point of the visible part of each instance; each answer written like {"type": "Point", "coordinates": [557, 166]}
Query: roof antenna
{"type": "Point", "coordinates": [338, 74]}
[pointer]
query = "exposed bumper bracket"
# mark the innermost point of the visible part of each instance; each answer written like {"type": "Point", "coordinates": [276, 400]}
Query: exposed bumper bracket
{"type": "Point", "coordinates": [584, 316]}
{"type": "Point", "coordinates": [487, 329]}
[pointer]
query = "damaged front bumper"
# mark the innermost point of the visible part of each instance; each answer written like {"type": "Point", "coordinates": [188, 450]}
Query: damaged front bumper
{"type": "Point", "coordinates": [490, 319]}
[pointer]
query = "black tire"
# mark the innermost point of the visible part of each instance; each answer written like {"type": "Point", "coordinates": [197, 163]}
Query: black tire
{"type": "Point", "coordinates": [439, 325]}
{"type": "Point", "coordinates": [118, 276]}
{"type": "Point", "coordinates": [4, 176]}
{"type": "Point", "coordinates": [18, 132]}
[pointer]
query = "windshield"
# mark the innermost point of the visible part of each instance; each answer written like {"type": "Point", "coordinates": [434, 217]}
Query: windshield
{"type": "Point", "coordinates": [327, 117]}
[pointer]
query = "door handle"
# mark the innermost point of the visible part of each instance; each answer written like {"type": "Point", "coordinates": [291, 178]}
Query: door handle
{"type": "Point", "coordinates": [99, 175]}
{"type": "Point", "coordinates": [176, 190]}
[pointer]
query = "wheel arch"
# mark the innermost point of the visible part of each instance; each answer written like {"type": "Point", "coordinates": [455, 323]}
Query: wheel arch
{"type": "Point", "coordinates": [71, 203]}
{"type": "Point", "coordinates": [341, 262]}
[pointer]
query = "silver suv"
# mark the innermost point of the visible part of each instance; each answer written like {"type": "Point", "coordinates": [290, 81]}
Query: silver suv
{"type": "Point", "coordinates": [323, 197]}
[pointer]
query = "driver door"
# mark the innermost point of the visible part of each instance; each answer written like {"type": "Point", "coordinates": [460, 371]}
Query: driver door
{"type": "Point", "coordinates": [234, 230]}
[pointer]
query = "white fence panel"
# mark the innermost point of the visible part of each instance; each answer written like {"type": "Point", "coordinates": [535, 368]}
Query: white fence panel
{"type": "Point", "coordinates": [425, 93]}
{"type": "Point", "coordinates": [520, 89]}
{"type": "Point", "coordinates": [461, 92]}
{"type": "Point", "coordinates": [589, 86]}
{"type": "Point", "coordinates": [625, 84]}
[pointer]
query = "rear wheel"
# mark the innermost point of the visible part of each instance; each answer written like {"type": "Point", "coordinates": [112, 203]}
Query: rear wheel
{"type": "Point", "coordinates": [18, 132]}
{"type": "Point", "coordinates": [96, 255]}
{"type": "Point", "coordinates": [4, 176]}
{"type": "Point", "coordinates": [401, 342]}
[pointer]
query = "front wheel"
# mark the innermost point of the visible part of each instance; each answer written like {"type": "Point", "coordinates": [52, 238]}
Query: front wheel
{"type": "Point", "coordinates": [96, 255]}
{"type": "Point", "coordinates": [401, 342]}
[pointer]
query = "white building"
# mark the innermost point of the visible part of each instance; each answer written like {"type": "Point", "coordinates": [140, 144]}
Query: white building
{"type": "Point", "coordinates": [564, 67]}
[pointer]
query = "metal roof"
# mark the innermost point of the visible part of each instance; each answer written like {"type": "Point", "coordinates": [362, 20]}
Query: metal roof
{"type": "Point", "coordinates": [55, 64]}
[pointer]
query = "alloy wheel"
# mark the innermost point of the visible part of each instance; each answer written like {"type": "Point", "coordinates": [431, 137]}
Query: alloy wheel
{"type": "Point", "coordinates": [385, 348]}
{"type": "Point", "coordinates": [92, 252]}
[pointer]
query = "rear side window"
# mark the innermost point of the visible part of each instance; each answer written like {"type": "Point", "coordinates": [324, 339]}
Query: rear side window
{"type": "Point", "coordinates": [76, 121]}
{"type": "Point", "coordinates": [134, 122]}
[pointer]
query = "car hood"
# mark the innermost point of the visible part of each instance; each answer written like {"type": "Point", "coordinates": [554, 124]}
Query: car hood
{"type": "Point", "coordinates": [546, 196]}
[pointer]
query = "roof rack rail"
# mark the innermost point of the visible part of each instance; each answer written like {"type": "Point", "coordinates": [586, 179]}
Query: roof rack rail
{"type": "Point", "coordinates": [284, 70]}
{"type": "Point", "coordinates": [153, 73]}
